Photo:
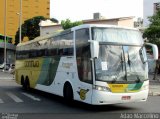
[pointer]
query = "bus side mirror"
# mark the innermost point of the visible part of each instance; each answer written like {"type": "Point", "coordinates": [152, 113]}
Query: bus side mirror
{"type": "Point", "coordinates": [94, 48]}
{"type": "Point", "coordinates": [154, 49]}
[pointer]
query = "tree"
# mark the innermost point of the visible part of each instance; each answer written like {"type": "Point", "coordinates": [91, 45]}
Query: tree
{"type": "Point", "coordinates": [30, 28]}
{"type": "Point", "coordinates": [152, 33]}
{"type": "Point", "coordinates": [66, 24]}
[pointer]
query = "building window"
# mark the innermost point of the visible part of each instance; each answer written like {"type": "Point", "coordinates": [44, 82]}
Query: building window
{"type": "Point", "coordinates": [11, 5]}
{"type": "Point", "coordinates": [156, 7]}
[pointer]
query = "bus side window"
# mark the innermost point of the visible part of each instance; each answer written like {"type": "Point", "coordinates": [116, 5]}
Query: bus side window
{"type": "Point", "coordinates": [60, 52]}
{"type": "Point", "coordinates": [52, 52]}
{"type": "Point", "coordinates": [67, 51]}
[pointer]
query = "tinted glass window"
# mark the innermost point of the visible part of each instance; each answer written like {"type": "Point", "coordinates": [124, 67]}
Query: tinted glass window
{"type": "Point", "coordinates": [83, 55]}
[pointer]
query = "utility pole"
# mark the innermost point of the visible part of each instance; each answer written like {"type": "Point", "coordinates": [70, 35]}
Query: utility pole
{"type": "Point", "coordinates": [5, 44]}
{"type": "Point", "coordinates": [20, 22]}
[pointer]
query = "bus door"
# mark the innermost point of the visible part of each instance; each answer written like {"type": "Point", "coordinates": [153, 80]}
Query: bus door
{"type": "Point", "coordinates": [84, 89]}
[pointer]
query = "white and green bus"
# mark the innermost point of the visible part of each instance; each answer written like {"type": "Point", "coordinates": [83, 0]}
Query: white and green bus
{"type": "Point", "coordinates": [94, 64]}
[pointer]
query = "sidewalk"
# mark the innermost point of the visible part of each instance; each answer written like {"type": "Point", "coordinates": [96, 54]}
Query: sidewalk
{"type": "Point", "coordinates": [154, 85]}
{"type": "Point", "coordinates": [6, 75]}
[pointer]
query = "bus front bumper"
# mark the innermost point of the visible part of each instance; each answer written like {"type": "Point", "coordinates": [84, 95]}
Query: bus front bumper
{"type": "Point", "coordinates": [102, 97]}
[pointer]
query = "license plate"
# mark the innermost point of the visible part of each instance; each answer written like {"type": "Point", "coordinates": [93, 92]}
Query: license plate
{"type": "Point", "coordinates": [126, 97]}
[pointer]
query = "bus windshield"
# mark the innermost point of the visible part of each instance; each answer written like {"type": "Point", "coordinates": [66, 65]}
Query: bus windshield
{"type": "Point", "coordinates": [117, 35]}
{"type": "Point", "coordinates": [118, 62]}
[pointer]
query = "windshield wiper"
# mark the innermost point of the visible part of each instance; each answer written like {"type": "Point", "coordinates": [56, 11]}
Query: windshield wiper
{"type": "Point", "coordinates": [138, 79]}
{"type": "Point", "coordinates": [129, 61]}
{"type": "Point", "coordinates": [125, 77]}
{"type": "Point", "coordinates": [122, 61]}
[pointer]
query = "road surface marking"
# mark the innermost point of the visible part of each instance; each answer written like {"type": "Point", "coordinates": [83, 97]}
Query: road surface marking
{"type": "Point", "coordinates": [1, 101]}
{"type": "Point", "coordinates": [31, 96]}
{"type": "Point", "coordinates": [14, 97]}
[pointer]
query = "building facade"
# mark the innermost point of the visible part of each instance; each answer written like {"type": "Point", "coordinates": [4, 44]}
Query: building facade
{"type": "Point", "coordinates": [47, 27]}
{"type": "Point", "coordinates": [10, 53]}
{"type": "Point", "coordinates": [30, 8]}
{"type": "Point", "coordinates": [149, 8]}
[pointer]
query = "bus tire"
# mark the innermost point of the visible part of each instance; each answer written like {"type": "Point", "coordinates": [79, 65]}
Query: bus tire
{"type": "Point", "coordinates": [68, 93]}
{"type": "Point", "coordinates": [26, 84]}
{"type": "Point", "coordinates": [22, 82]}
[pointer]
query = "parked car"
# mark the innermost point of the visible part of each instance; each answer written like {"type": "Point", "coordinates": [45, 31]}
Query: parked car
{"type": "Point", "coordinates": [1, 66]}
{"type": "Point", "coordinates": [5, 67]}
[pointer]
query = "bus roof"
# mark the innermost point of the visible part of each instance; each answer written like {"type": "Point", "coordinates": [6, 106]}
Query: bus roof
{"type": "Point", "coordinates": [39, 38]}
{"type": "Point", "coordinates": [56, 33]}
{"type": "Point", "coordinates": [101, 25]}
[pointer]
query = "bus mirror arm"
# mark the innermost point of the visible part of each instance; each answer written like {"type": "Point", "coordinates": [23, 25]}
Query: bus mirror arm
{"type": "Point", "coordinates": [94, 45]}
{"type": "Point", "coordinates": [155, 50]}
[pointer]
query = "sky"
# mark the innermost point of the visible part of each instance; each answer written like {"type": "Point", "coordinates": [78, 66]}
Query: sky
{"type": "Point", "coordinates": [76, 10]}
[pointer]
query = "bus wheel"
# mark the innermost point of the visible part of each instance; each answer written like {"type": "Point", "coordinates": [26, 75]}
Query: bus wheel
{"type": "Point", "coordinates": [26, 84]}
{"type": "Point", "coordinates": [68, 93]}
{"type": "Point", "coordinates": [22, 82]}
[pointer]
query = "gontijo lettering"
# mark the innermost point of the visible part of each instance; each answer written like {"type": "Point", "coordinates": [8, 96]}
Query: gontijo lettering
{"type": "Point", "coordinates": [31, 63]}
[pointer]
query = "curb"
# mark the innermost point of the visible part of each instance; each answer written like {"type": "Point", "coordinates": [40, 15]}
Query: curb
{"type": "Point", "coordinates": [7, 78]}
{"type": "Point", "coordinates": [154, 94]}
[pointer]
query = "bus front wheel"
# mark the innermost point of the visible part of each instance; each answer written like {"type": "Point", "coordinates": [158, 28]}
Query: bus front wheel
{"type": "Point", "coordinates": [68, 93]}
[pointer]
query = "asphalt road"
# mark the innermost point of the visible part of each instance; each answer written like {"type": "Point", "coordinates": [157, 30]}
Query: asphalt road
{"type": "Point", "coordinates": [17, 103]}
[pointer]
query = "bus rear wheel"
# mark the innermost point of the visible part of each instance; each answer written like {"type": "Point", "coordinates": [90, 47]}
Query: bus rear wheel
{"type": "Point", "coordinates": [26, 84]}
{"type": "Point", "coordinates": [68, 93]}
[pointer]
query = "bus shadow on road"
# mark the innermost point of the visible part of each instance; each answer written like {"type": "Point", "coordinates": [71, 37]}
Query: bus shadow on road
{"type": "Point", "coordinates": [80, 105]}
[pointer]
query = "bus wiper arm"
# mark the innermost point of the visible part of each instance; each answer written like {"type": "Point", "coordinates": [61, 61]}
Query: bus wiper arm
{"type": "Point", "coordinates": [138, 79]}
{"type": "Point", "coordinates": [122, 61]}
{"type": "Point", "coordinates": [125, 65]}
{"type": "Point", "coordinates": [129, 61]}
{"type": "Point", "coordinates": [114, 80]}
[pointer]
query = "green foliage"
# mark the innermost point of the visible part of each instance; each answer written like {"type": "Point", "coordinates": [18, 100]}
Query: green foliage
{"type": "Point", "coordinates": [152, 33]}
{"type": "Point", "coordinates": [66, 24]}
{"type": "Point", "coordinates": [30, 28]}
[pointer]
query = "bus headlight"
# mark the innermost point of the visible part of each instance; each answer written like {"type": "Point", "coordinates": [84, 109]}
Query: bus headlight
{"type": "Point", "coordinates": [145, 87]}
{"type": "Point", "coordinates": [101, 88]}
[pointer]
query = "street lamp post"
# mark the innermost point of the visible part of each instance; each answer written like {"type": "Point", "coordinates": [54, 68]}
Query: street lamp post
{"type": "Point", "coordinates": [5, 48]}
{"type": "Point", "coordinates": [20, 22]}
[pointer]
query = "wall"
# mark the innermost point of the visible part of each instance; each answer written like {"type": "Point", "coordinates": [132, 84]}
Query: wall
{"type": "Point", "coordinates": [112, 22]}
{"type": "Point", "coordinates": [126, 22]}
{"type": "Point", "coordinates": [44, 30]}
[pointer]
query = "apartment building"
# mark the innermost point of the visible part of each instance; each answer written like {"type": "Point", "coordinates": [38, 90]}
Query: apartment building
{"type": "Point", "coordinates": [150, 7]}
{"type": "Point", "coordinates": [30, 8]}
